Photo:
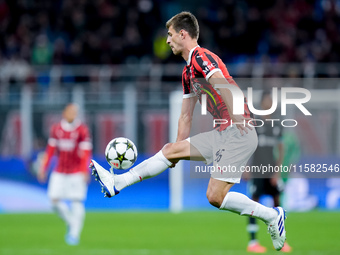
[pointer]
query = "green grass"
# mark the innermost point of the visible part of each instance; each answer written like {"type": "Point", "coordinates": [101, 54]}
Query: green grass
{"type": "Point", "coordinates": [162, 233]}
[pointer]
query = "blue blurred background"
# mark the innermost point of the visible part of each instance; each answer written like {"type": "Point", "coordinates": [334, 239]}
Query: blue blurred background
{"type": "Point", "coordinates": [20, 192]}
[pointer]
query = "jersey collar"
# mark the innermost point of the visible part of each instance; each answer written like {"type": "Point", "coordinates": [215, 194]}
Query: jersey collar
{"type": "Point", "coordinates": [190, 54]}
{"type": "Point", "coordinates": [69, 127]}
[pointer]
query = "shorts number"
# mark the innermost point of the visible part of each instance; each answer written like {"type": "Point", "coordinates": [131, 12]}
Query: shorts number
{"type": "Point", "coordinates": [219, 155]}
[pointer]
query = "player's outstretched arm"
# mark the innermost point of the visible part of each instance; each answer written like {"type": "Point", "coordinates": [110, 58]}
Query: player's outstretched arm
{"type": "Point", "coordinates": [185, 119]}
{"type": "Point", "coordinates": [85, 152]}
{"type": "Point", "coordinates": [42, 174]}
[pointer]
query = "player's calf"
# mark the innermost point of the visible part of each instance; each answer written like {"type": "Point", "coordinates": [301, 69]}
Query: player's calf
{"type": "Point", "coordinates": [215, 199]}
{"type": "Point", "coordinates": [216, 192]}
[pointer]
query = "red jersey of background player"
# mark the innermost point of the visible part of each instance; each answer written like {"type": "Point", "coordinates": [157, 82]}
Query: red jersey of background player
{"type": "Point", "coordinates": [73, 145]}
{"type": "Point", "coordinates": [201, 65]}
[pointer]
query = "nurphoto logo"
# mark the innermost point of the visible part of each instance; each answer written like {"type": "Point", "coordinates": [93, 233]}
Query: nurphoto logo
{"type": "Point", "coordinates": [238, 105]}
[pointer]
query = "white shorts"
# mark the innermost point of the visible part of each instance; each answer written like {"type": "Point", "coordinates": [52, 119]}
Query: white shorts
{"type": "Point", "coordinates": [67, 186]}
{"type": "Point", "coordinates": [228, 150]}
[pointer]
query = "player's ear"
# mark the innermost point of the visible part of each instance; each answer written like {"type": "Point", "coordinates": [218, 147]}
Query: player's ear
{"type": "Point", "coordinates": [182, 34]}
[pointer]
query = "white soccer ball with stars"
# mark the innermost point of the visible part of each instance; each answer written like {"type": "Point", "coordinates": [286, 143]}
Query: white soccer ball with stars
{"type": "Point", "coordinates": [121, 153]}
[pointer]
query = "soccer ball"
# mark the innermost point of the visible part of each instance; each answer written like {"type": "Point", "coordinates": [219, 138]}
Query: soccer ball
{"type": "Point", "coordinates": [121, 153]}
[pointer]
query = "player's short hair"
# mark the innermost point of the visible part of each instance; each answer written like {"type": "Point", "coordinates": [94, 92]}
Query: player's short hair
{"type": "Point", "coordinates": [186, 21]}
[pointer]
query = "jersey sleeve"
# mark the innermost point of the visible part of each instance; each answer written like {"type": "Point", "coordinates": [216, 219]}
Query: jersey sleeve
{"type": "Point", "coordinates": [187, 93]}
{"type": "Point", "coordinates": [206, 64]}
{"type": "Point", "coordinates": [52, 140]}
{"type": "Point", "coordinates": [51, 148]}
{"type": "Point", "coordinates": [85, 147]}
{"type": "Point", "coordinates": [85, 142]}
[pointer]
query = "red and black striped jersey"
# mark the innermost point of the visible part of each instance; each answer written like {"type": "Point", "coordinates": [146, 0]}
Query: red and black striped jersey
{"type": "Point", "coordinates": [73, 144]}
{"type": "Point", "coordinates": [201, 65]}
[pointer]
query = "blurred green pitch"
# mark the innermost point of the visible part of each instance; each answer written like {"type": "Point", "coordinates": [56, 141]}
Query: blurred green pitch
{"type": "Point", "coordinates": [163, 233]}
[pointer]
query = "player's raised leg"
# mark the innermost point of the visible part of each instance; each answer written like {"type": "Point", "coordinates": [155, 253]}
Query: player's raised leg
{"type": "Point", "coordinates": [113, 184]}
{"type": "Point", "coordinates": [165, 158]}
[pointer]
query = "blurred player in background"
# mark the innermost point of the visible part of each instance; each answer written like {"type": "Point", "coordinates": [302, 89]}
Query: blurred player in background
{"type": "Point", "coordinates": [269, 138]}
{"type": "Point", "coordinates": [226, 145]}
{"type": "Point", "coordinates": [70, 140]}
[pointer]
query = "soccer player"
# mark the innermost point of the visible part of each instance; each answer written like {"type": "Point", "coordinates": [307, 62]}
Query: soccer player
{"type": "Point", "coordinates": [270, 183]}
{"type": "Point", "coordinates": [226, 145]}
{"type": "Point", "coordinates": [71, 140]}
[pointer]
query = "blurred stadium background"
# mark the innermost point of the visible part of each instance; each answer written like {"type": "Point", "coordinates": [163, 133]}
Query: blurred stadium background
{"type": "Point", "coordinates": [111, 58]}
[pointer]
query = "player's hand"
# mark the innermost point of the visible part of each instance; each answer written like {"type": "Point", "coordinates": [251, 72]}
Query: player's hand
{"type": "Point", "coordinates": [87, 177]}
{"type": "Point", "coordinates": [243, 123]}
{"type": "Point", "coordinates": [42, 176]}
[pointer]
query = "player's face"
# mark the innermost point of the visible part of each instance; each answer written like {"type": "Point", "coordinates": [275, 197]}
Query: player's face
{"type": "Point", "coordinates": [175, 41]}
{"type": "Point", "coordinates": [70, 113]}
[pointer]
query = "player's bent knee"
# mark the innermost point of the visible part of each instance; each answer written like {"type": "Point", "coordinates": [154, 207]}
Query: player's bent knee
{"type": "Point", "coordinates": [168, 150]}
{"type": "Point", "coordinates": [215, 198]}
{"type": "Point", "coordinates": [174, 150]}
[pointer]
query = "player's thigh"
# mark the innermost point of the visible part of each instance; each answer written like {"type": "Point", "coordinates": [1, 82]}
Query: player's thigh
{"type": "Point", "coordinates": [231, 153]}
{"type": "Point", "coordinates": [201, 146]}
{"type": "Point", "coordinates": [181, 150]}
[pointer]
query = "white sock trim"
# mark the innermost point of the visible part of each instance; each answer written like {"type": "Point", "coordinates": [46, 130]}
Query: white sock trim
{"type": "Point", "coordinates": [163, 158]}
{"type": "Point", "coordinates": [222, 207]}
